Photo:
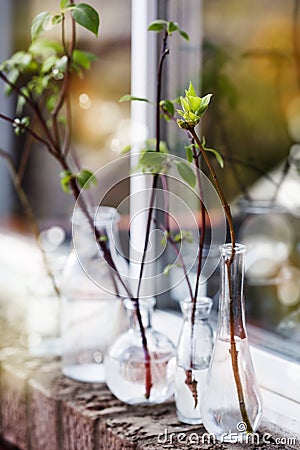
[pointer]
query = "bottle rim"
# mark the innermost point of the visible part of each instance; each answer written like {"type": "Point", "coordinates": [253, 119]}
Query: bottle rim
{"type": "Point", "coordinates": [202, 303]}
{"type": "Point", "coordinates": [226, 249]}
{"type": "Point", "coordinates": [100, 215]}
{"type": "Point", "coordinates": [144, 303]}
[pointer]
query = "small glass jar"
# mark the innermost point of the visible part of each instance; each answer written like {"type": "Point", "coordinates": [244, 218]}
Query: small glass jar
{"type": "Point", "coordinates": [92, 313]}
{"type": "Point", "coordinates": [194, 351]}
{"type": "Point", "coordinates": [130, 376]}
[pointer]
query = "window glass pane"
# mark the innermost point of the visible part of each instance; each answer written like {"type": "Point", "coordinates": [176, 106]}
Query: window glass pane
{"type": "Point", "coordinates": [100, 124]}
{"type": "Point", "coordinates": [250, 61]}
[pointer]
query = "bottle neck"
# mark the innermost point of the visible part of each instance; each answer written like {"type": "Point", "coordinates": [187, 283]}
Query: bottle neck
{"type": "Point", "coordinates": [231, 304]}
{"type": "Point", "coordinates": [198, 312]}
{"type": "Point", "coordinates": [145, 308]}
{"type": "Point", "coordinates": [105, 220]}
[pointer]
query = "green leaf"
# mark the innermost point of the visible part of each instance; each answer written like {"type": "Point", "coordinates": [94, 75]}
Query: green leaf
{"type": "Point", "coordinates": [189, 153]}
{"type": "Point", "coordinates": [21, 59]}
{"type": "Point", "coordinates": [39, 24]}
{"type": "Point", "coordinates": [87, 17]}
{"type": "Point", "coordinates": [168, 106]}
{"type": "Point", "coordinates": [164, 239]}
{"type": "Point", "coordinates": [56, 19]}
{"type": "Point", "coordinates": [63, 4]}
{"type": "Point", "coordinates": [85, 178]}
{"type": "Point", "coordinates": [184, 34]}
{"type": "Point", "coordinates": [61, 63]}
{"type": "Point", "coordinates": [45, 48]}
{"type": "Point", "coordinates": [218, 156]}
{"type": "Point", "coordinates": [204, 104]}
{"type": "Point", "coordinates": [65, 177]}
{"type": "Point", "coordinates": [129, 98]}
{"type": "Point", "coordinates": [186, 172]}
{"type": "Point", "coordinates": [152, 160]}
{"type": "Point", "coordinates": [83, 58]}
{"type": "Point", "coordinates": [185, 104]}
{"type": "Point", "coordinates": [51, 102]}
{"type": "Point", "coordinates": [126, 149]}
{"type": "Point", "coordinates": [21, 100]}
{"type": "Point", "coordinates": [184, 235]}
{"type": "Point", "coordinates": [158, 25]}
{"type": "Point", "coordinates": [151, 146]}
{"type": "Point", "coordinates": [168, 268]}
{"type": "Point", "coordinates": [48, 64]}
{"type": "Point", "coordinates": [195, 102]}
{"type": "Point", "coordinates": [12, 76]}
{"type": "Point", "coordinates": [191, 90]}
{"type": "Point", "coordinates": [173, 26]}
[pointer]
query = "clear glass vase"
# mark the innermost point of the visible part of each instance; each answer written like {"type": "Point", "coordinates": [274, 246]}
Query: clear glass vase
{"type": "Point", "coordinates": [92, 313]}
{"type": "Point", "coordinates": [231, 403]}
{"type": "Point", "coordinates": [194, 351]}
{"type": "Point", "coordinates": [129, 373]}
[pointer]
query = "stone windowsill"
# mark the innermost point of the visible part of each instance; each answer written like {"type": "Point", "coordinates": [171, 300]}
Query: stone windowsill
{"type": "Point", "coordinates": [40, 409]}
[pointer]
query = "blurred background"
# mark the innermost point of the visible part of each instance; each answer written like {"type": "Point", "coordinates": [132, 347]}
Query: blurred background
{"type": "Point", "coordinates": [248, 55]}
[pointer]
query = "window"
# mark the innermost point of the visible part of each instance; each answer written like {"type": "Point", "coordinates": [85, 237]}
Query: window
{"type": "Point", "coordinates": [249, 61]}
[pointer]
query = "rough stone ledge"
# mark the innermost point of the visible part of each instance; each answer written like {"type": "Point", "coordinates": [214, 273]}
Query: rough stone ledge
{"type": "Point", "coordinates": [40, 409]}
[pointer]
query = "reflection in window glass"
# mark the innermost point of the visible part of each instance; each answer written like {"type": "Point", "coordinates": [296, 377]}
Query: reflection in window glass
{"type": "Point", "coordinates": [250, 61]}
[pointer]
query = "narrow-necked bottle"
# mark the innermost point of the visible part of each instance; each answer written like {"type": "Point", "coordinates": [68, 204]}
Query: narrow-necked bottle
{"type": "Point", "coordinates": [231, 403]}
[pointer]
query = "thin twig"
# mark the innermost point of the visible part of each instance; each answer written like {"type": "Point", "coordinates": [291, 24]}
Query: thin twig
{"type": "Point", "coordinates": [233, 349]}
{"type": "Point", "coordinates": [31, 132]}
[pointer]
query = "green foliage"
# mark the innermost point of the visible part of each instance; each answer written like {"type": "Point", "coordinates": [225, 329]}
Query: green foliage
{"type": "Point", "coordinates": [126, 149]}
{"type": "Point", "coordinates": [168, 109]}
{"type": "Point", "coordinates": [193, 108]}
{"type": "Point", "coordinates": [63, 4]}
{"type": "Point", "coordinates": [169, 27]}
{"type": "Point", "coordinates": [65, 178]}
{"type": "Point", "coordinates": [82, 59]}
{"type": "Point", "coordinates": [167, 269]}
{"type": "Point", "coordinates": [152, 161]}
{"type": "Point", "coordinates": [86, 16]}
{"type": "Point", "coordinates": [187, 173]}
{"type": "Point", "coordinates": [130, 98]}
{"type": "Point", "coordinates": [164, 239]}
{"type": "Point", "coordinates": [218, 155]}
{"type": "Point", "coordinates": [183, 236]}
{"type": "Point", "coordinates": [40, 70]}
{"type": "Point", "coordinates": [84, 178]}
{"type": "Point", "coordinates": [189, 153]}
{"type": "Point", "coordinates": [40, 23]}
{"type": "Point", "coordinates": [158, 25]}
{"type": "Point", "coordinates": [44, 48]}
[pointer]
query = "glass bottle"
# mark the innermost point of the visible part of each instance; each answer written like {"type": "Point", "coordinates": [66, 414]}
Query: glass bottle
{"type": "Point", "coordinates": [92, 313]}
{"type": "Point", "coordinates": [42, 313]}
{"type": "Point", "coordinates": [231, 403]}
{"type": "Point", "coordinates": [126, 366]}
{"type": "Point", "coordinates": [193, 357]}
